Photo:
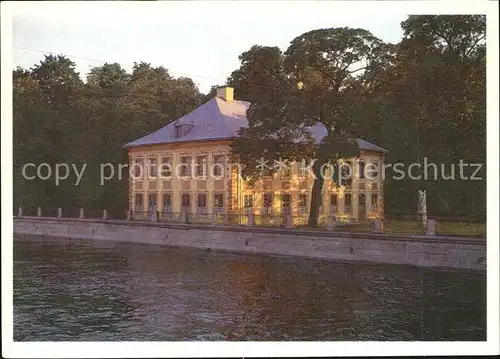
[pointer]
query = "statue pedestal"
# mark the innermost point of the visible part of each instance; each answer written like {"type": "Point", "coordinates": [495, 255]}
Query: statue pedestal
{"type": "Point", "coordinates": [431, 227]}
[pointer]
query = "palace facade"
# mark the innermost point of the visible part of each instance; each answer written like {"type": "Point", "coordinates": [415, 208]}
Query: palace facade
{"type": "Point", "coordinates": [183, 167]}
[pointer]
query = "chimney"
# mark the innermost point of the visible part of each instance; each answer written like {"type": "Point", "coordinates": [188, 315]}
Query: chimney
{"type": "Point", "coordinates": [226, 93]}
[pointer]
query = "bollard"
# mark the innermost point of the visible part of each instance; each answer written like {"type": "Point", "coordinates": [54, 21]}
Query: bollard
{"type": "Point", "coordinates": [104, 214]}
{"type": "Point", "coordinates": [82, 213]}
{"type": "Point", "coordinates": [251, 220]}
{"type": "Point", "coordinates": [431, 227]}
{"type": "Point", "coordinates": [59, 213]}
{"type": "Point", "coordinates": [20, 211]}
{"type": "Point", "coordinates": [129, 215]}
{"type": "Point", "coordinates": [332, 223]}
{"type": "Point", "coordinates": [288, 221]}
{"type": "Point", "coordinates": [39, 212]}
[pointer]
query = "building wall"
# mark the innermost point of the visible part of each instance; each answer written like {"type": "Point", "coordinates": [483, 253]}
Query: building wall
{"type": "Point", "coordinates": [234, 189]}
{"type": "Point", "coordinates": [176, 186]}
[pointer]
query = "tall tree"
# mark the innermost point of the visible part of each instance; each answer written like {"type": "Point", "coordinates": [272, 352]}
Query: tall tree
{"type": "Point", "coordinates": [43, 127]}
{"type": "Point", "coordinates": [436, 88]}
{"type": "Point", "coordinates": [316, 81]}
{"type": "Point", "coordinates": [57, 78]}
{"type": "Point", "coordinates": [461, 35]}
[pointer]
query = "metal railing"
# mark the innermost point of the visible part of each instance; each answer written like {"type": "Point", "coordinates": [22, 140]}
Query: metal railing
{"type": "Point", "coordinates": [458, 226]}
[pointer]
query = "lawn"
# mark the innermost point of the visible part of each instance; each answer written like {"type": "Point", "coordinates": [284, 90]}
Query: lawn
{"type": "Point", "coordinates": [416, 227]}
{"type": "Point", "coordinates": [461, 229]}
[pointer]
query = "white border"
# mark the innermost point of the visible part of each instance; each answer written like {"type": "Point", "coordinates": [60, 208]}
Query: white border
{"type": "Point", "coordinates": [293, 349]}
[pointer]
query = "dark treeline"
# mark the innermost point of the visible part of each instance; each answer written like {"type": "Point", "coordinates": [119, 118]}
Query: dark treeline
{"type": "Point", "coordinates": [434, 107]}
{"type": "Point", "coordinates": [422, 98]}
{"type": "Point", "coordinates": [60, 119]}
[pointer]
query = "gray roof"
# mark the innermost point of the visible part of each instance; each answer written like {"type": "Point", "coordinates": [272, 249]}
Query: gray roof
{"type": "Point", "coordinates": [215, 119]}
{"type": "Point", "coordinates": [319, 131]}
{"type": "Point", "coordinates": [218, 119]}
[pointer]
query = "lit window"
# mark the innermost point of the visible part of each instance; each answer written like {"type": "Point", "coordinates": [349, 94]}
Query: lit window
{"type": "Point", "coordinates": [153, 167]}
{"type": "Point", "coordinates": [285, 203]}
{"type": "Point", "coordinates": [139, 168]}
{"type": "Point", "coordinates": [218, 202]}
{"type": "Point", "coordinates": [361, 199]}
{"type": "Point", "coordinates": [361, 170]}
{"type": "Point", "coordinates": [286, 171]}
{"type": "Point", "coordinates": [166, 167]}
{"type": "Point", "coordinates": [167, 202]}
{"type": "Point", "coordinates": [219, 165]}
{"type": "Point", "coordinates": [202, 203]}
{"type": "Point", "coordinates": [374, 202]}
{"type": "Point", "coordinates": [248, 203]}
{"type": "Point", "coordinates": [248, 200]}
{"type": "Point", "coordinates": [347, 205]}
{"type": "Point", "coordinates": [333, 202]}
{"type": "Point", "coordinates": [185, 202]}
{"type": "Point", "coordinates": [152, 202]}
{"type": "Point", "coordinates": [303, 172]}
{"type": "Point", "coordinates": [201, 165]}
{"type": "Point", "coordinates": [185, 166]}
{"type": "Point", "coordinates": [346, 172]}
{"type": "Point", "coordinates": [267, 203]}
{"type": "Point", "coordinates": [302, 203]}
{"type": "Point", "coordinates": [372, 170]}
{"type": "Point", "coordinates": [138, 202]}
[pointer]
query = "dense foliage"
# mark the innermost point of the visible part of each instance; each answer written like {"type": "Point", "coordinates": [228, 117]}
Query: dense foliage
{"type": "Point", "coordinates": [60, 119]}
{"type": "Point", "coordinates": [423, 98]}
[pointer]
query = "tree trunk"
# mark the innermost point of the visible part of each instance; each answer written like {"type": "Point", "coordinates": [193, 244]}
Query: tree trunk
{"type": "Point", "coordinates": [316, 195]}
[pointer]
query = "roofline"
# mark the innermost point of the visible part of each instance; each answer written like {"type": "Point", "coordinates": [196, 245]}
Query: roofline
{"type": "Point", "coordinates": [383, 149]}
{"type": "Point", "coordinates": [127, 146]}
{"type": "Point", "coordinates": [177, 142]}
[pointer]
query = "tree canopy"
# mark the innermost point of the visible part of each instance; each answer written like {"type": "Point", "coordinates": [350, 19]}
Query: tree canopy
{"type": "Point", "coordinates": [317, 81]}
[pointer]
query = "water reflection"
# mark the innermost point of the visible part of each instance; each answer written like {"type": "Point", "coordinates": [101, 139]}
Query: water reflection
{"type": "Point", "coordinates": [79, 290]}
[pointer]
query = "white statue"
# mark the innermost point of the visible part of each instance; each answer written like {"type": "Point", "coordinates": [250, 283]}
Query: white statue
{"type": "Point", "coordinates": [422, 205]}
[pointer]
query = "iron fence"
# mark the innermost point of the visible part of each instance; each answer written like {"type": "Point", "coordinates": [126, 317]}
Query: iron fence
{"type": "Point", "coordinates": [407, 224]}
{"type": "Point", "coordinates": [454, 227]}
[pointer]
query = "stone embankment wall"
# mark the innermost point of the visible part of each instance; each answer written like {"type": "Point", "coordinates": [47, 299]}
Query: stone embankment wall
{"type": "Point", "coordinates": [426, 251]}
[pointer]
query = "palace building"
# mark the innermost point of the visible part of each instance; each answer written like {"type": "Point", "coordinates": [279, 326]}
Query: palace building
{"type": "Point", "coordinates": [184, 167]}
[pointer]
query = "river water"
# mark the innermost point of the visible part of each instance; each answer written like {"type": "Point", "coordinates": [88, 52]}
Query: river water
{"type": "Point", "coordinates": [72, 290]}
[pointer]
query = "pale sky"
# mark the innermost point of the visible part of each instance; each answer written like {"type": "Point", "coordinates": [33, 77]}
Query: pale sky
{"type": "Point", "coordinates": [201, 40]}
